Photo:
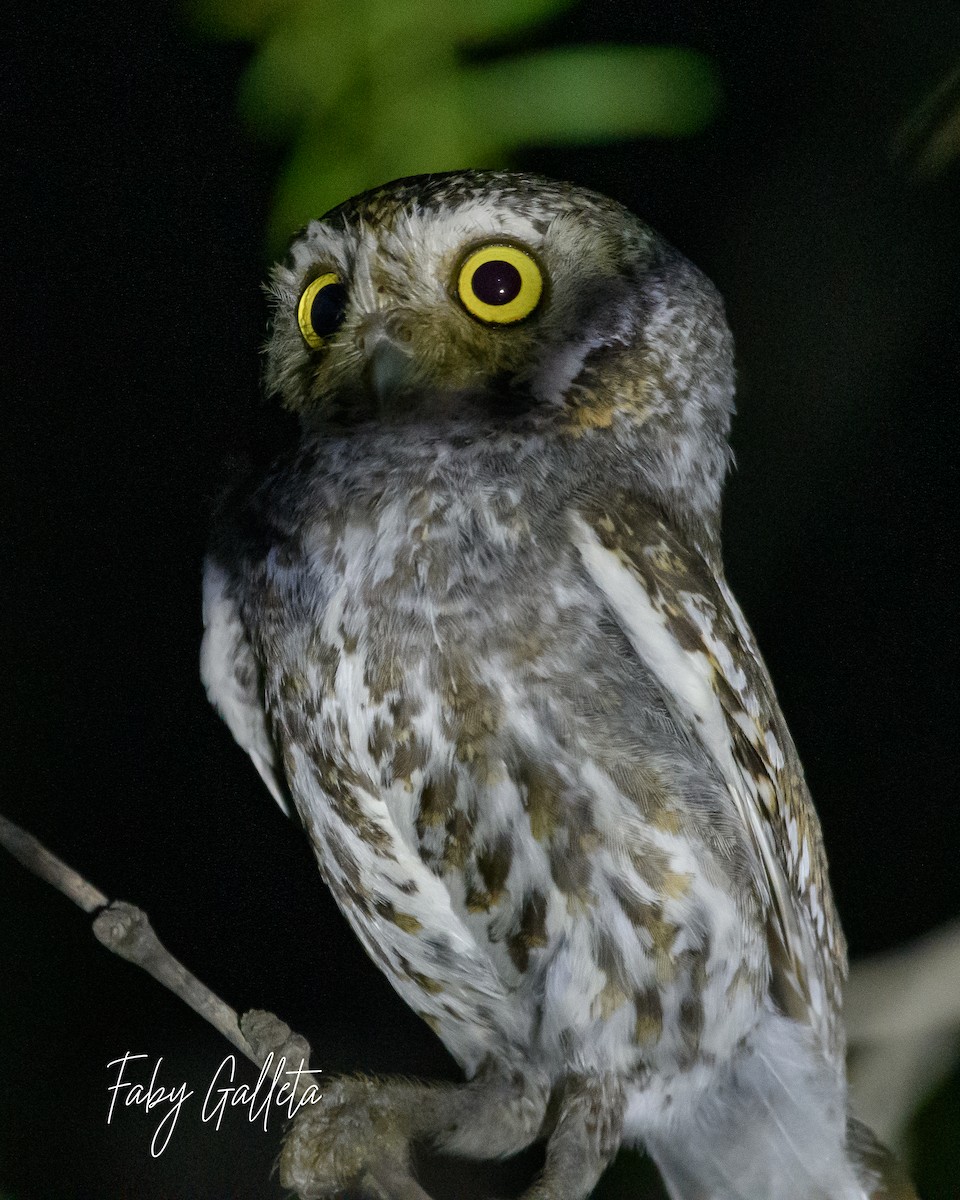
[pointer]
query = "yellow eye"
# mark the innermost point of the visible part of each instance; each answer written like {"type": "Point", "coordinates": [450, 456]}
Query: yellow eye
{"type": "Point", "coordinates": [321, 309]}
{"type": "Point", "coordinates": [500, 284]}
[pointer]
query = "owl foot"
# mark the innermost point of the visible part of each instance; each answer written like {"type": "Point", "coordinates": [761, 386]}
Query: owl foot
{"type": "Point", "coordinates": [358, 1137]}
{"type": "Point", "coordinates": [583, 1141]}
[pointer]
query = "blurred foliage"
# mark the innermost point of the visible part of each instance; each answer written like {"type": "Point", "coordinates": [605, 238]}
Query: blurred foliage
{"type": "Point", "coordinates": [378, 89]}
{"type": "Point", "coordinates": [929, 139]}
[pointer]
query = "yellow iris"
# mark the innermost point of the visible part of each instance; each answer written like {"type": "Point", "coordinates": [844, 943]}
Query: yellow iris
{"type": "Point", "coordinates": [306, 316]}
{"type": "Point", "coordinates": [500, 284]}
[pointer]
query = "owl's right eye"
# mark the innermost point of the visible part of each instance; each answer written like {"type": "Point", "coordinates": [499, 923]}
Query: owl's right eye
{"type": "Point", "coordinates": [321, 310]}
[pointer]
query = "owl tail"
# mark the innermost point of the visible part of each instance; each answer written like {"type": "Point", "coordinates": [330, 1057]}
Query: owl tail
{"type": "Point", "coordinates": [878, 1171]}
{"type": "Point", "coordinates": [771, 1127]}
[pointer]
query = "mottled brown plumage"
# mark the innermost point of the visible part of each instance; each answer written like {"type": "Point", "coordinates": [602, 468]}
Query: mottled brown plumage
{"type": "Point", "coordinates": [476, 628]}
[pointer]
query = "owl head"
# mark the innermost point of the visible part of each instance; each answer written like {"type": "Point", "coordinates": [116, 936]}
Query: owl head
{"type": "Point", "coordinates": [487, 303]}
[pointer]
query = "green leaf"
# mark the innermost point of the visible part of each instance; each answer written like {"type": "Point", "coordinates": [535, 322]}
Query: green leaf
{"type": "Point", "coordinates": [594, 93]}
{"type": "Point", "coordinates": [376, 89]}
{"type": "Point", "coordinates": [303, 66]}
{"type": "Point", "coordinates": [313, 181]}
{"type": "Point", "coordinates": [330, 164]}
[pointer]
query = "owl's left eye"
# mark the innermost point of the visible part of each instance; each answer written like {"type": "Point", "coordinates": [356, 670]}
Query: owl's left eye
{"type": "Point", "coordinates": [321, 310]}
{"type": "Point", "coordinates": [500, 284]}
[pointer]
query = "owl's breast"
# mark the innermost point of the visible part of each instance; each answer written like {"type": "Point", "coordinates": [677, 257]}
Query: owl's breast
{"type": "Point", "coordinates": [497, 795]}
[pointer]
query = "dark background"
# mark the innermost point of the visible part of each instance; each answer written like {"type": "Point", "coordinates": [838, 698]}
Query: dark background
{"type": "Point", "coordinates": [137, 217]}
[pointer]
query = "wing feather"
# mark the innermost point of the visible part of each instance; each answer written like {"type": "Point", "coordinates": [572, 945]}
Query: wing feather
{"type": "Point", "coordinates": [231, 676]}
{"type": "Point", "coordinates": [683, 623]}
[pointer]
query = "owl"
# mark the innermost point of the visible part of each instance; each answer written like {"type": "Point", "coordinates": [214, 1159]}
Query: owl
{"type": "Point", "coordinates": [474, 629]}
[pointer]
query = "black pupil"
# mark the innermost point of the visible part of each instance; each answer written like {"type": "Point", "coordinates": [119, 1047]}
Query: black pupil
{"type": "Point", "coordinates": [328, 309]}
{"type": "Point", "coordinates": [496, 282]}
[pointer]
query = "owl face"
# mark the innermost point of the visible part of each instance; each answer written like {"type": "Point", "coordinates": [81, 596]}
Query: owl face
{"type": "Point", "coordinates": [498, 300]}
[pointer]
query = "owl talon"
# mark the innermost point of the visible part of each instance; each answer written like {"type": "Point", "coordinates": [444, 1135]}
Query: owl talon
{"type": "Point", "coordinates": [267, 1034]}
{"type": "Point", "coordinates": [356, 1137]}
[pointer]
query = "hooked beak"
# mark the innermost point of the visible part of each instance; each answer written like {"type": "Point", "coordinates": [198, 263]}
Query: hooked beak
{"type": "Point", "coordinates": [389, 368]}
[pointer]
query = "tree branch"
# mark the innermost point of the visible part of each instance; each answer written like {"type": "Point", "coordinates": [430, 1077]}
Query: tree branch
{"type": "Point", "coordinates": [126, 930]}
{"type": "Point", "coordinates": [37, 858]}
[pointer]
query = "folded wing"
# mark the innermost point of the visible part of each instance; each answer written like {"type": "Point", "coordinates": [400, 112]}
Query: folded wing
{"type": "Point", "coordinates": [672, 602]}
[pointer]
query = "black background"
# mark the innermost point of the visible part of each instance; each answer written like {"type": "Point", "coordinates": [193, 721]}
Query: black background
{"type": "Point", "coordinates": [137, 211]}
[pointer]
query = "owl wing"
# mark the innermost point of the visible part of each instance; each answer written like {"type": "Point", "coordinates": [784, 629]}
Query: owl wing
{"type": "Point", "coordinates": [231, 676]}
{"type": "Point", "coordinates": [675, 608]}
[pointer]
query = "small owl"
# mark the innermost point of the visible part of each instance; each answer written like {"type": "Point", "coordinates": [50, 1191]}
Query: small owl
{"type": "Point", "coordinates": [475, 629]}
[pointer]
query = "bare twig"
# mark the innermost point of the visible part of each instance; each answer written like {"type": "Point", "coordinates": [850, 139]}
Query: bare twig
{"type": "Point", "coordinates": [126, 930]}
{"type": "Point", "coordinates": [37, 858]}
